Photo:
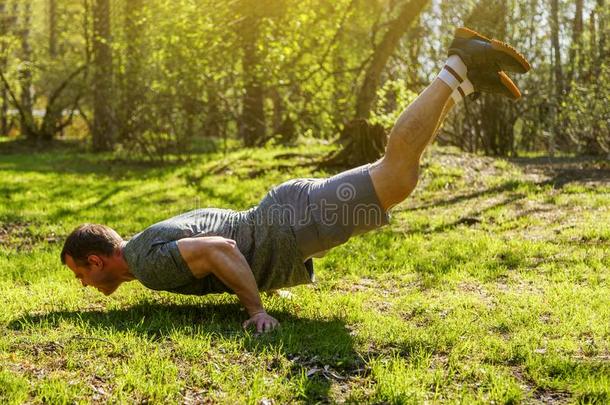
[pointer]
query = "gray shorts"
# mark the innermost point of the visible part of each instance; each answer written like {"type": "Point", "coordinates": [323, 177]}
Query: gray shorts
{"type": "Point", "coordinates": [324, 213]}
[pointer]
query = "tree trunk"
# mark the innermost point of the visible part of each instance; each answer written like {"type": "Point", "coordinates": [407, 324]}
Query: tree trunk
{"type": "Point", "coordinates": [133, 33]}
{"type": "Point", "coordinates": [576, 48]}
{"type": "Point", "coordinates": [397, 28]}
{"type": "Point", "coordinates": [284, 129]}
{"type": "Point", "coordinates": [5, 22]}
{"type": "Point", "coordinates": [52, 28]}
{"type": "Point", "coordinates": [363, 142]}
{"type": "Point", "coordinates": [558, 75]}
{"type": "Point", "coordinates": [131, 85]}
{"type": "Point", "coordinates": [253, 114]}
{"type": "Point", "coordinates": [25, 73]}
{"type": "Point", "coordinates": [103, 126]}
{"type": "Point", "coordinates": [557, 68]}
{"type": "Point", "coordinates": [252, 122]}
{"type": "Point", "coordinates": [602, 14]}
{"type": "Point", "coordinates": [212, 126]}
{"type": "Point", "coordinates": [592, 57]}
{"type": "Point", "coordinates": [598, 142]}
{"type": "Point", "coordinates": [492, 134]}
{"type": "Point", "coordinates": [415, 36]}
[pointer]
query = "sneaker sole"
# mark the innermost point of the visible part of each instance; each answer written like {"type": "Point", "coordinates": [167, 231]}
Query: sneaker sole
{"type": "Point", "coordinates": [500, 46]}
{"type": "Point", "coordinates": [510, 85]}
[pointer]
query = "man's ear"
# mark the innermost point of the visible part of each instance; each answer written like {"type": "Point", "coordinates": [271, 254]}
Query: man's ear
{"type": "Point", "coordinates": [95, 262]}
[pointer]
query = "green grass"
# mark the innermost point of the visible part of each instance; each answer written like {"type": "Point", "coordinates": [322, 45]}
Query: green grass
{"type": "Point", "coordinates": [490, 284]}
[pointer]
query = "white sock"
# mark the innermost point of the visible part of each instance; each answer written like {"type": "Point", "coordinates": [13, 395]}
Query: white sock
{"type": "Point", "coordinates": [462, 91]}
{"type": "Point", "coordinates": [454, 72]}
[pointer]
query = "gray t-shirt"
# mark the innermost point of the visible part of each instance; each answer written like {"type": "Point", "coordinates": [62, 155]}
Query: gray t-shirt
{"type": "Point", "coordinates": [268, 245]}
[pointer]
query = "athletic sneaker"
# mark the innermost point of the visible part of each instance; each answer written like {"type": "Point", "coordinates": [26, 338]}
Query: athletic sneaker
{"type": "Point", "coordinates": [491, 55]}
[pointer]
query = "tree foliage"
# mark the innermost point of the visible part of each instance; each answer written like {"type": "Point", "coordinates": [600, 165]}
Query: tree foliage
{"type": "Point", "coordinates": [156, 76]}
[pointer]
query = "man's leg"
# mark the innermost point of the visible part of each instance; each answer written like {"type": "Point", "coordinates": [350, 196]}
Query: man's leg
{"type": "Point", "coordinates": [351, 203]}
{"type": "Point", "coordinates": [484, 60]}
{"type": "Point", "coordinates": [396, 174]}
{"type": "Point", "coordinates": [357, 200]}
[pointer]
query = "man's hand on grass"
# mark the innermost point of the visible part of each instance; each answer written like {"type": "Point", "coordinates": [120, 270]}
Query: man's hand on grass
{"type": "Point", "coordinates": [262, 321]}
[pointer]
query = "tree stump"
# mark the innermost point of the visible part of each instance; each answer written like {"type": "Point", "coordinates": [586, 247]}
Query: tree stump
{"type": "Point", "coordinates": [362, 143]}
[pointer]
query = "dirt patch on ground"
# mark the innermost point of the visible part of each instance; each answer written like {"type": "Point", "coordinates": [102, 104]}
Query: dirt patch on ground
{"type": "Point", "coordinates": [328, 368]}
{"type": "Point", "coordinates": [384, 288]}
{"type": "Point", "coordinates": [20, 235]}
{"type": "Point", "coordinates": [340, 378]}
{"type": "Point", "coordinates": [473, 167]}
{"type": "Point", "coordinates": [479, 292]}
{"type": "Point", "coordinates": [539, 395]}
{"type": "Point", "coordinates": [544, 220]}
{"type": "Point", "coordinates": [593, 171]}
{"type": "Point", "coordinates": [499, 192]}
{"type": "Point", "coordinates": [517, 285]}
{"type": "Point", "coordinates": [46, 359]}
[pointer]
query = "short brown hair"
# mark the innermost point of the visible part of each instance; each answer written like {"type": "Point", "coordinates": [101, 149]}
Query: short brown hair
{"type": "Point", "coordinates": [90, 239]}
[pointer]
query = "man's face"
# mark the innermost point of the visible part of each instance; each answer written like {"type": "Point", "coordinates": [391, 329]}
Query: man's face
{"type": "Point", "coordinates": [94, 274]}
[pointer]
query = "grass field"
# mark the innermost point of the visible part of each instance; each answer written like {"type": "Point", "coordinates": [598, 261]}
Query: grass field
{"type": "Point", "coordinates": [492, 284]}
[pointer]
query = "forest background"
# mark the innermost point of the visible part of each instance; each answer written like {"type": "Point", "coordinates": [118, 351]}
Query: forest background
{"type": "Point", "coordinates": [149, 79]}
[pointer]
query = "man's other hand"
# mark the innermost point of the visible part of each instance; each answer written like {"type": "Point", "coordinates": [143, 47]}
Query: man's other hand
{"type": "Point", "coordinates": [262, 321]}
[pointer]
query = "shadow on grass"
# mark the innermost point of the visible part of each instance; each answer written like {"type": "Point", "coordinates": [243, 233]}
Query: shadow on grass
{"type": "Point", "coordinates": [565, 170]}
{"type": "Point", "coordinates": [474, 217]}
{"type": "Point", "coordinates": [559, 172]}
{"type": "Point", "coordinates": [508, 186]}
{"type": "Point", "coordinates": [321, 349]}
{"type": "Point", "coordinates": [26, 146]}
{"type": "Point", "coordinates": [74, 157]}
{"type": "Point", "coordinates": [103, 165]}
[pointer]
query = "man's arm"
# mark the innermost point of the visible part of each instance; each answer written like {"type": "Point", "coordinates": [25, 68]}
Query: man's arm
{"type": "Point", "coordinates": [221, 257]}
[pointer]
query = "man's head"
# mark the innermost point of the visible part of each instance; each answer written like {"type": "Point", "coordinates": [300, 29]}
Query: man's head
{"type": "Point", "coordinates": [93, 253]}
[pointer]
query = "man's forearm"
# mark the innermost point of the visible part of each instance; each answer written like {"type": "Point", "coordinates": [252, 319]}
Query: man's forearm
{"type": "Point", "coordinates": [234, 271]}
{"type": "Point", "coordinates": [221, 257]}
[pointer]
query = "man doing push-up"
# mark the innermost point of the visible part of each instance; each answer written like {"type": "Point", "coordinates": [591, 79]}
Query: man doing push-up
{"type": "Point", "coordinates": [270, 246]}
